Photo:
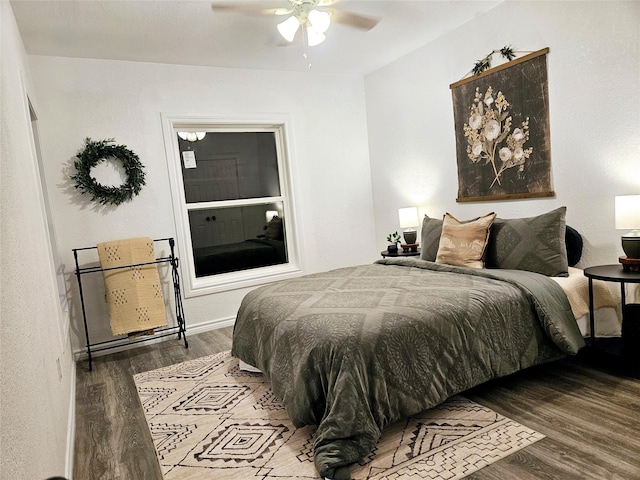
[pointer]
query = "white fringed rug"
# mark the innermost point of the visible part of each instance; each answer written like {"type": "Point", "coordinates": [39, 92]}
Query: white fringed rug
{"type": "Point", "coordinates": [211, 420]}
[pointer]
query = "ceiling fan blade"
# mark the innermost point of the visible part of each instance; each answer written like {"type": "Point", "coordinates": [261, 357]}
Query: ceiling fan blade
{"type": "Point", "coordinates": [354, 19]}
{"type": "Point", "coordinates": [248, 8]}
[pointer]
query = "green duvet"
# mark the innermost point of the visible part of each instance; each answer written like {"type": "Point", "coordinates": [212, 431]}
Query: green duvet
{"type": "Point", "coordinates": [355, 349]}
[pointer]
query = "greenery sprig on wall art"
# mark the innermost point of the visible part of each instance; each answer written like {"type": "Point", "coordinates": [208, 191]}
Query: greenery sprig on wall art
{"type": "Point", "coordinates": [95, 152]}
{"type": "Point", "coordinates": [485, 63]}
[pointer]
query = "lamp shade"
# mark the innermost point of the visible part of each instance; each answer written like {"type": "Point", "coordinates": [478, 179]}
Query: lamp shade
{"type": "Point", "coordinates": [192, 136]}
{"type": "Point", "coordinates": [269, 214]}
{"type": "Point", "coordinates": [408, 217]}
{"type": "Point", "coordinates": [314, 38]}
{"type": "Point", "coordinates": [319, 21]}
{"type": "Point", "coordinates": [288, 28]}
{"type": "Point", "coordinates": [628, 212]}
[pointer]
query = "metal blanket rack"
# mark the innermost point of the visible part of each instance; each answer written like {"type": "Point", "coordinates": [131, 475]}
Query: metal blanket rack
{"type": "Point", "coordinates": [179, 329]}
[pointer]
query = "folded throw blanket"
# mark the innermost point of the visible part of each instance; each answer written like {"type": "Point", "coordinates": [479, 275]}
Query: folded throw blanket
{"type": "Point", "coordinates": [134, 294]}
{"type": "Point", "coordinates": [576, 286]}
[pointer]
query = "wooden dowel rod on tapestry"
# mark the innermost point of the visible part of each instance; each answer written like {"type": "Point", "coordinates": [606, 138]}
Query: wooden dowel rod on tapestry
{"type": "Point", "coordinates": [512, 63]}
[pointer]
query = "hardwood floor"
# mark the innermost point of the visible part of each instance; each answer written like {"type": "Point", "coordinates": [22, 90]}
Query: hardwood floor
{"type": "Point", "coordinates": [589, 413]}
{"type": "Point", "coordinates": [112, 439]}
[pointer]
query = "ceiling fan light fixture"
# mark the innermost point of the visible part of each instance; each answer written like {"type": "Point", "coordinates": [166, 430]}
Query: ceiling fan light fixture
{"type": "Point", "coordinates": [192, 136]}
{"type": "Point", "coordinates": [314, 37]}
{"type": "Point", "coordinates": [320, 21]}
{"type": "Point", "coordinates": [288, 28]}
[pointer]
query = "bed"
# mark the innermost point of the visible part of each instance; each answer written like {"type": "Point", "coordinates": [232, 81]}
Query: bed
{"type": "Point", "coordinates": [357, 348]}
{"type": "Point", "coordinates": [252, 253]}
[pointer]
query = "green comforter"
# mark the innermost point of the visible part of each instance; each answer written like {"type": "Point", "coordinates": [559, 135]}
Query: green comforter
{"type": "Point", "coordinates": [355, 349]}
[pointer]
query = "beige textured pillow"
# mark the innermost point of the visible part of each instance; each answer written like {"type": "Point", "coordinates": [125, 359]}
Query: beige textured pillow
{"type": "Point", "coordinates": [464, 243]}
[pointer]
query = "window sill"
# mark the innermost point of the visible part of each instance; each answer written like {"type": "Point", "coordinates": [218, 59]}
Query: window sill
{"type": "Point", "coordinates": [237, 280]}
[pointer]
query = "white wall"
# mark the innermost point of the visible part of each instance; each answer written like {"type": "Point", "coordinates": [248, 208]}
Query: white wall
{"type": "Point", "coordinates": [81, 98]}
{"type": "Point", "coordinates": [35, 398]}
{"type": "Point", "coordinates": [593, 67]}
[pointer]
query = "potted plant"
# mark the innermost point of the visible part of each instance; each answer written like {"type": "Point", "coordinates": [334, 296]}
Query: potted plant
{"type": "Point", "coordinates": [393, 239]}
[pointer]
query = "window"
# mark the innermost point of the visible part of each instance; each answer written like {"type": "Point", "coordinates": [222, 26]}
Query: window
{"type": "Point", "coordinates": [233, 203]}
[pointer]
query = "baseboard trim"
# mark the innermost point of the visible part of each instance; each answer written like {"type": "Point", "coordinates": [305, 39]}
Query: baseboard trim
{"type": "Point", "coordinates": [211, 325]}
{"type": "Point", "coordinates": [71, 425]}
{"type": "Point", "coordinates": [81, 354]}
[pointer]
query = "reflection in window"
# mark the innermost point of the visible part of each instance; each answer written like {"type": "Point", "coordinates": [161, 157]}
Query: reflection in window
{"type": "Point", "coordinates": [236, 238]}
{"type": "Point", "coordinates": [233, 200]}
{"type": "Point", "coordinates": [231, 166]}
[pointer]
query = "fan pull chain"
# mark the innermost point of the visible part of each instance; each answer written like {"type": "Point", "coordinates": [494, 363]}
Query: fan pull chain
{"type": "Point", "coordinates": [306, 57]}
{"type": "Point", "coordinates": [305, 43]}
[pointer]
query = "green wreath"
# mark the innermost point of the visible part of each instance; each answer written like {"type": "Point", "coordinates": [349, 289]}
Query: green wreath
{"type": "Point", "coordinates": [95, 152]}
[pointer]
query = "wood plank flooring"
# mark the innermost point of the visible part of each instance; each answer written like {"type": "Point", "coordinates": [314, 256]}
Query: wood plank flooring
{"type": "Point", "coordinates": [589, 412]}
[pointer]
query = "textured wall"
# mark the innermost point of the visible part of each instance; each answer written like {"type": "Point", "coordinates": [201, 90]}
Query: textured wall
{"type": "Point", "coordinates": [593, 67]}
{"type": "Point", "coordinates": [101, 99]}
{"type": "Point", "coordinates": [35, 400]}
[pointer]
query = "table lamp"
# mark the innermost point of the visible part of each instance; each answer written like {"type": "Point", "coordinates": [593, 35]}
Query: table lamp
{"type": "Point", "coordinates": [409, 220]}
{"type": "Point", "coordinates": [269, 214]}
{"type": "Point", "coordinates": [628, 218]}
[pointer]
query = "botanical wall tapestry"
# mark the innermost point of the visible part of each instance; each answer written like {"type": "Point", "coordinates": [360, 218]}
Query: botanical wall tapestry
{"type": "Point", "coordinates": [502, 131]}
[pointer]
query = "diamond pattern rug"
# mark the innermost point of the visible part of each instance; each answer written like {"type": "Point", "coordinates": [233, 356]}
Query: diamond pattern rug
{"type": "Point", "coordinates": [211, 420]}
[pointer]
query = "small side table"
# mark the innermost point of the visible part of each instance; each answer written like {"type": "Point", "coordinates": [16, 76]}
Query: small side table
{"type": "Point", "coordinates": [400, 253]}
{"type": "Point", "coordinates": [608, 273]}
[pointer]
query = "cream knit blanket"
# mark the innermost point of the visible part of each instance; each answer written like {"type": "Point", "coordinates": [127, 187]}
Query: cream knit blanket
{"type": "Point", "coordinates": [134, 294]}
{"type": "Point", "coordinates": [576, 286]}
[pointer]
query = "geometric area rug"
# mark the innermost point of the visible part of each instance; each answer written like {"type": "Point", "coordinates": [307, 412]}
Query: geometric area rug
{"type": "Point", "coordinates": [211, 420]}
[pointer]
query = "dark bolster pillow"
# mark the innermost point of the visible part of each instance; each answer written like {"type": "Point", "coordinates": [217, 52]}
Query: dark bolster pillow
{"type": "Point", "coordinates": [573, 241]}
{"type": "Point", "coordinates": [542, 244]}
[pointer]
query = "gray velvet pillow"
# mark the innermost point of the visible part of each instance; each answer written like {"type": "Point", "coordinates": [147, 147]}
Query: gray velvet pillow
{"type": "Point", "coordinates": [430, 238]}
{"type": "Point", "coordinates": [273, 230]}
{"type": "Point", "coordinates": [536, 244]}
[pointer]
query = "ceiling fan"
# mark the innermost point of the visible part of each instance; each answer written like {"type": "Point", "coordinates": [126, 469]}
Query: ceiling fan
{"type": "Point", "coordinates": [310, 16]}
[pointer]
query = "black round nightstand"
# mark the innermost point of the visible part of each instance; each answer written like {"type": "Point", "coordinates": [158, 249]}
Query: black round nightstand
{"type": "Point", "coordinates": [612, 273]}
{"type": "Point", "coordinates": [400, 253]}
{"type": "Point", "coordinates": [615, 273]}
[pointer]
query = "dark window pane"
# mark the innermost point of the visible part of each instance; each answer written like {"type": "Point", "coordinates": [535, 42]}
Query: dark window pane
{"type": "Point", "coordinates": [231, 166]}
{"type": "Point", "coordinates": [237, 238]}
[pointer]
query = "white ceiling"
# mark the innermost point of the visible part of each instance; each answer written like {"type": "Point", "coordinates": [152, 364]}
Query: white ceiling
{"type": "Point", "coordinates": [191, 33]}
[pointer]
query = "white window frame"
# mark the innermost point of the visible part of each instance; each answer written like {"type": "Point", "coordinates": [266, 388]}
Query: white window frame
{"type": "Point", "coordinates": [279, 125]}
